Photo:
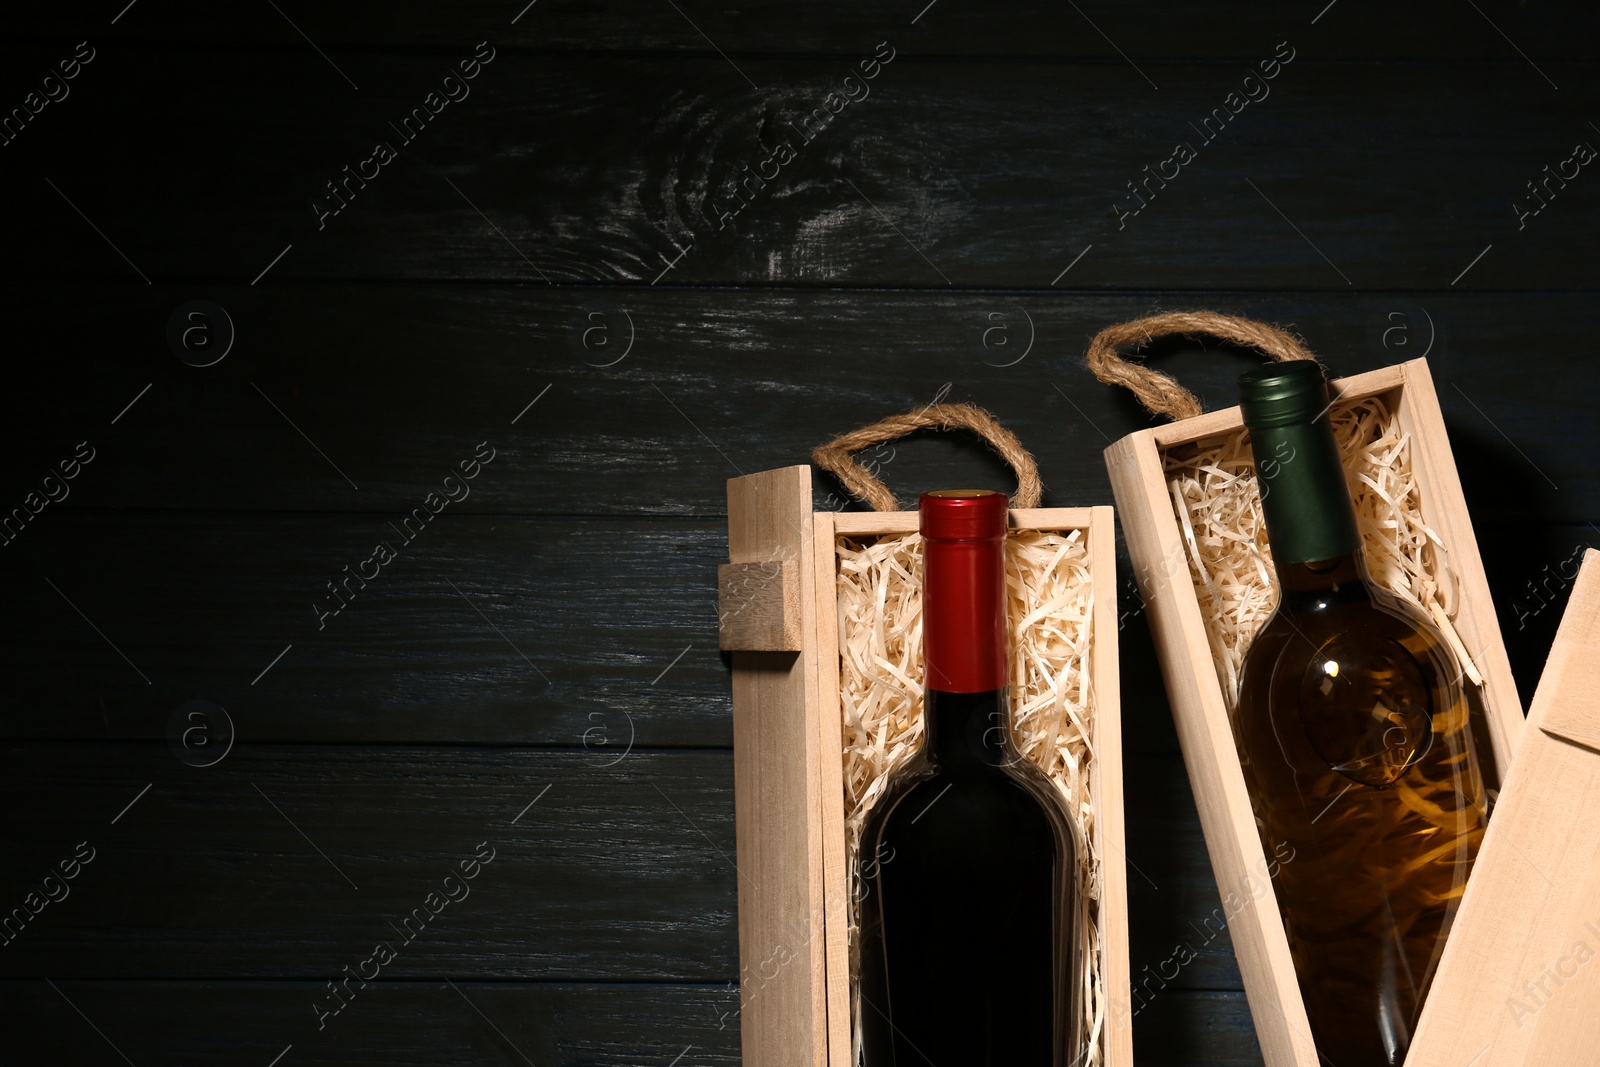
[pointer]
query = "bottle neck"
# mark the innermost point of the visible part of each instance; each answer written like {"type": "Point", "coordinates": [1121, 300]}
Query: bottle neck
{"type": "Point", "coordinates": [964, 614]}
{"type": "Point", "coordinates": [966, 732]}
{"type": "Point", "coordinates": [1307, 587]}
{"type": "Point", "coordinates": [1305, 499]}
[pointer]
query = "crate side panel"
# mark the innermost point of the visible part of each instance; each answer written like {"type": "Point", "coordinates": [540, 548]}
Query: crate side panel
{"type": "Point", "coordinates": [1209, 753]}
{"type": "Point", "coordinates": [1109, 813]}
{"type": "Point", "coordinates": [1444, 508]}
{"type": "Point", "coordinates": [830, 743]}
{"type": "Point", "coordinates": [777, 795]}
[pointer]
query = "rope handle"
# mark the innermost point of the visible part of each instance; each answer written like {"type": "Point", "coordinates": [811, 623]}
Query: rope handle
{"type": "Point", "coordinates": [1160, 392]}
{"type": "Point", "coordinates": [836, 455]}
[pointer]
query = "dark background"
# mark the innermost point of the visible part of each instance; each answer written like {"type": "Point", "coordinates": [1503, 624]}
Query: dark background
{"type": "Point", "coordinates": [553, 237]}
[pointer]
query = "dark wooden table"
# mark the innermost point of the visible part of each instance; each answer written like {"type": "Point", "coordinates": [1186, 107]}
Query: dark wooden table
{"type": "Point", "coordinates": [601, 262]}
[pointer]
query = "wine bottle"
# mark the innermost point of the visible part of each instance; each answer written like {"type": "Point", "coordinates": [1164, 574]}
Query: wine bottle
{"type": "Point", "coordinates": [967, 877]}
{"type": "Point", "coordinates": [1356, 741]}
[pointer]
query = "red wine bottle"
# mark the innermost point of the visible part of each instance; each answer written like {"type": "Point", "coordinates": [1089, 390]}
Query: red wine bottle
{"type": "Point", "coordinates": [967, 869]}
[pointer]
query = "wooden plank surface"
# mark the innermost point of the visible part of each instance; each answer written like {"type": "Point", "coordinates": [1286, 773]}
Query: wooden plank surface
{"type": "Point", "coordinates": [718, 382]}
{"type": "Point", "coordinates": [1169, 873]}
{"type": "Point", "coordinates": [493, 285]}
{"type": "Point", "coordinates": [196, 1024]}
{"type": "Point", "coordinates": [204, 877]}
{"type": "Point", "coordinates": [623, 168]}
{"type": "Point", "coordinates": [460, 1023]}
{"type": "Point", "coordinates": [467, 637]}
{"type": "Point", "coordinates": [226, 886]}
{"type": "Point", "coordinates": [202, 605]}
{"type": "Point", "coordinates": [292, 861]}
{"type": "Point", "coordinates": [1092, 29]}
{"type": "Point", "coordinates": [758, 607]}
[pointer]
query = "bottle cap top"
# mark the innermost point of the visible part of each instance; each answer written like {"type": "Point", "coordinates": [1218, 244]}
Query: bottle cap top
{"type": "Point", "coordinates": [1279, 394]}
{"type": "Point", "coordinates": [963, 515]}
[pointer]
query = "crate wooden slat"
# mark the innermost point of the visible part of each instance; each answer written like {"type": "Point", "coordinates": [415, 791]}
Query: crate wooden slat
{"type": "Point", "coordinates": [788, 753]}
{"type": "Point", "coordinates": [830, 730]}
{"type": "Point", "coordinates": [1199, 708]}
{"type": "Point", "coordinates": [1107, 778]}
{"type": "Point", "coordinates": [1209, 754]}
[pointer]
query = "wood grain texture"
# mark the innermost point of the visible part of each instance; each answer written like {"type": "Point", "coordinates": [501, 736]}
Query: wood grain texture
{"type": "Point", "coordinates": [251, 867]}
{"type": "Point", "coordinates": [433, 1022]}
{"type": "Point", "coordinates": [623, 168]}
{"type": "Point", "coordinates": [411, 1024]}
{"type": "Point", "coordinates": [1214, 1027]}
{"type": "Point", "coordinates": [758, 607]}
{"type": "Point", "coordinates": [597, 151]}
{"type": "Point", "coordinates": [1174, 916]}
{"type": "Point", "coordinates": [592, 636]}
{"type": "Point", "coordinates": [620, 873]}
{"type": "Point", "coordinates": [1514, 985]}
{"type": "Point", "coordinates": [203, 603]}
{"type": "Point", "coordinates": [1095, 30]}
{"type": "Point", "coordinates": [717, 382]}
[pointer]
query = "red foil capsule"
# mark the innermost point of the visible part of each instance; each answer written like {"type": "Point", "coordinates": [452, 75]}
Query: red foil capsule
{"type": "Point", "coordinates": [963, 589]}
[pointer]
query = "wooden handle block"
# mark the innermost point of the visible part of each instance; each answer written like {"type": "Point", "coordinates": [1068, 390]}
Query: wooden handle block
{"type": "Point", "coordinates": [759, 606]}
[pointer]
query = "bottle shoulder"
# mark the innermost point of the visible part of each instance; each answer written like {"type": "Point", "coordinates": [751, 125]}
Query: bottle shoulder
{"type": "Point", "coordinates": [968, 776]}
{"type": "Point", "coordinates": [1366, 687]}
{"type": "Point", "coordinates": [1372, 615]}
{"type": "Point", "coordinates": [992, 803]}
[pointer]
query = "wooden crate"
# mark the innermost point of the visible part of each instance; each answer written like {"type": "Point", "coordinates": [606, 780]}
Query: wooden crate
{"type": "Point", "coordinates": [1156, 548]}
{"type": "Point", "coordinates": [779, 617]}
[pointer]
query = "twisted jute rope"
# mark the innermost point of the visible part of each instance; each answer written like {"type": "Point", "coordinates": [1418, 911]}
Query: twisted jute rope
{"type": "Point", "coordinates": [1160, 392]}
{"type": "Point", "coordinates": [836, 455]}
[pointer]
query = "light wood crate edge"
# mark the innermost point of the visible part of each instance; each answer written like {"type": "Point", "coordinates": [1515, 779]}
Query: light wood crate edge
{"type": "Point", "coordinates": [777, 792]}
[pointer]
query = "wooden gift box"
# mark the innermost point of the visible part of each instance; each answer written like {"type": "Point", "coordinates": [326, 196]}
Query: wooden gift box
{"type": "Point", "coordinates": [1160, 558]}
{"type": "Point", "coordinates": [779, 617]}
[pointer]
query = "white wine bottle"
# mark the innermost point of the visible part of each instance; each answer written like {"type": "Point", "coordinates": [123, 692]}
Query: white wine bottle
{"type": "Point", "coordinates": [1356, 741]}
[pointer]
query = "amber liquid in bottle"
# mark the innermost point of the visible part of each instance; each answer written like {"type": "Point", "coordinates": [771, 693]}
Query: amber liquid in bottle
{"type": "Point", "coordinates": [1358, 755]}
{"type": "Point", "coordinates": [1358, 750]}
{"type": "Point", "coordinates": [967, 874]}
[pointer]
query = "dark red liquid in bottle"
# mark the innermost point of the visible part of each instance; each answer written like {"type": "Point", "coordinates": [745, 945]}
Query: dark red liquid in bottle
{"type": "Point", "coordinates": [967, 870]}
